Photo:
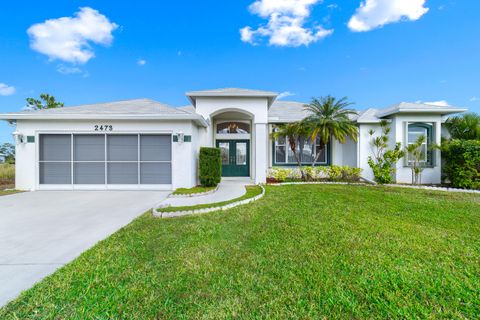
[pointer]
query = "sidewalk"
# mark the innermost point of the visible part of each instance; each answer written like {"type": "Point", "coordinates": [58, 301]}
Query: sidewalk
{"type": "Point", "coordinates": [228, 189]}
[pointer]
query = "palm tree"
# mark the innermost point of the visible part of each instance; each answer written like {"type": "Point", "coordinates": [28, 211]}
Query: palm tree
{"type": "Point", "coordinates": [416, 154]}
{"type": "Point", "coordinates": [294, 133]}
{"type": "Point", "coordinates": [464, 127]}
{"type": "Point", "coordinates": [328, 118]}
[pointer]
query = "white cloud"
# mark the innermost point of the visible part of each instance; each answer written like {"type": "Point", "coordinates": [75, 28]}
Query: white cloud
{"type": "Point", "coordinates": [286, 23]}
{"type": "Point", "coordinates": [440, 103]}
{"type": "Point", "coordinates": [141, 62]}
{"type": "Point", "coordinates": [285, 94]}
{"type": "Point", "coordinates": [376, 13]}
{"type": "Point", "coordinates": [69, 38]}
{"type": "Point", "coordinates": [474, 98]}
{"type": "Point", "coordinates": [6, 90]}
{"type": "Point", "coordinates": [68, 70]}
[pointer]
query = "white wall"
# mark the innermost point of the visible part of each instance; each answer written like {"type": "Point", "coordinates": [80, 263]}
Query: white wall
{"type": "Point", "coordinates": [257, 109]}
{"type": "Point", "coordinates": [184, 155]}
{"type": "Point", "coordinates": [398, 134]}
{"type": "Point", "coordinates": [404, 173]}
{"type": "Point", "coordinates": [364, 149]}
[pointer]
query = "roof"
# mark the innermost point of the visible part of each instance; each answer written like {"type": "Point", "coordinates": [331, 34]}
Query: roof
{"type": "Point", "coordinates": [368, 116]}
{"type": "Point", "coordinates": [232, 92]}
{"type": "Point", "coordinates": [408, 107]}
{"type": "Point", "coordinates": [286, 111]}
{"type": "Point", "coordinates": [145, 109]}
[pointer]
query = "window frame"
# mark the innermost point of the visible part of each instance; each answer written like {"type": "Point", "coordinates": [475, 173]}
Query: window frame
{"type": "Point", "coordinates": [429, 154]}
{"type": "Point", "coordinates": [275, 163]}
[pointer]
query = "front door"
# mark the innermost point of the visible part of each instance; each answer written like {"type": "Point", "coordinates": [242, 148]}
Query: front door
{"type": "Point", "coordinates": [235, 157]}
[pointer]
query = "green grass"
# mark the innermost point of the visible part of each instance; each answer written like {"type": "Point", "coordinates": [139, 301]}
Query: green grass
{"type": "Point", "coordinates": [301, 252]}
{"type": "Point", "coordinates": [252, 191]}
{"type": "Point", "coordinates": [7, 176]}
{"type": "Point", "coordinates": [197, 189]}
{"type": "Point", "coordinates": [8, 192]}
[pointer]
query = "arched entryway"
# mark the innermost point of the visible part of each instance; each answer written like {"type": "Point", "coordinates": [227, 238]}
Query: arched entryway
{"type": "Point", "coordinates": [233, 135]}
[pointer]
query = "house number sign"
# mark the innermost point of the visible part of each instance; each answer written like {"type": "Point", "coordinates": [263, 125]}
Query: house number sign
{"type": "Point", "coordinates": [103, 127]}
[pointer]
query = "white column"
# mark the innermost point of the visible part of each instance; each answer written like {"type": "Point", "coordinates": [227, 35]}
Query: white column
{"type": "Point", "coordinates": [261, 150]}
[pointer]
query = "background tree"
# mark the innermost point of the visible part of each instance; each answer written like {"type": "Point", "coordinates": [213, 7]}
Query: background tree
{"type": "Point", "coordinates": [8, 151]}
{"type": "Point", "coordinates": [330, 117]}
{"type": "Point", "coordinates": [295, 133]}
{"type": "Point", "coordinates": [46, 101]}
{"type": "Point", "coordinates": [384, 159]}
{"type": "Point", "coordinates": [416, 153]}
{"type": "Point", "coordinates": [464, 127]}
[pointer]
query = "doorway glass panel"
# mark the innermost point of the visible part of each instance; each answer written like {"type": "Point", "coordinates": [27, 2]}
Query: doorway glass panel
{"type": "Point", "coordinates": [241, 153]}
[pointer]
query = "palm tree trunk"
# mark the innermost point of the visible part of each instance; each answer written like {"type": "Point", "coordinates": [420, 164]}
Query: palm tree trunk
{"type": "Point", "coordinates": [293, 147]}
{"type": "Point", "coordinates": [322, 146]}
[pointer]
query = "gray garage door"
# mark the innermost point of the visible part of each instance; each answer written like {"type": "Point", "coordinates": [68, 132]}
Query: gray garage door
{"type": "Point", "coordinates": [99, 159]}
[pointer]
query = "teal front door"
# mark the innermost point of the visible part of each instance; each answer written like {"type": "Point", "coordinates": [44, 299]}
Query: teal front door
{"type": "Point", "coordinates": [235, 157]}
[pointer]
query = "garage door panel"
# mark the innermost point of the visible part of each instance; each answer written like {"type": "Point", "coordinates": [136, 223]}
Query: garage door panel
{"type": "Point", "coordinates": [55, 147]}
{"type": "Point", "coordinates": [89, 147]}
{"type": "Point", "coordinates": [122, 147]}
{"type": "Point", "coordinates": [105, 159]}
{"type": "Point", "coordinates": [55, 173]}
{"type": "Point", "coordinates": [155, 148]}
{"type": "Point", "coordinates": [122, 173]}
{"type": "Point", "coordinates": [156, 173]}
{"type": "Point", "coordinates": [89, 173]}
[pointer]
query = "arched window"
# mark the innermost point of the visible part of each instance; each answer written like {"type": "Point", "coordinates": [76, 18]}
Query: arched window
{"type": "Point", "coordinates": [233, 128]}
{"type": "Point", "coordinates": [416, 130]}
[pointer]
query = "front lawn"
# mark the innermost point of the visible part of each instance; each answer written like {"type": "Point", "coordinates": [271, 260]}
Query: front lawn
{"type": "Point", "coordinates": [252, 191]}
{"type": "Point", "coordinates": [194, 190]}
{"type": "Point", "coordinates": [312, 251]}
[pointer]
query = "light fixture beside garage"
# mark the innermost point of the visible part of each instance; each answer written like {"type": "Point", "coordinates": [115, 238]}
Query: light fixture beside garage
{"type": "Point", "coordinates": [19, 137]}
{"type": "Point", "coordinates": [180, 137]}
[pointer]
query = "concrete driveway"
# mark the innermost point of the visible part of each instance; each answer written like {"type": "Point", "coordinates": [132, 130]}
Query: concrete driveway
{"type": "Point", "coordinates": [41, 231]}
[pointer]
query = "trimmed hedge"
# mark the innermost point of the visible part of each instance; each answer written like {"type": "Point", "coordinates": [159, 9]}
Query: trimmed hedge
{"type": "Point", "coordinates": [210, 167]}
{"type": "Point", "coordinates": [320, 173]}
{"type": "Point", "coordinates": [462, 163]}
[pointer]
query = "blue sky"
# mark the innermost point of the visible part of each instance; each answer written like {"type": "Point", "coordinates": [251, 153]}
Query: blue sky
{"type": "Point", "coordinates": [377, 55]}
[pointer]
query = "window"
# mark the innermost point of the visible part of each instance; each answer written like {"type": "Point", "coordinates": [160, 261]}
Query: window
{"type": "Point", "coordinates": [233, 128]}
{"type": "Point", "coordinates": [416, 130]}
{"type": "Point", "coordinates": [283, 154]}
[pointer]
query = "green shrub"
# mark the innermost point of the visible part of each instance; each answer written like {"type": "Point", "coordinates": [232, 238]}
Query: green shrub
{"type": "Point", "coordinates": [280, 174]}
{"type": "Point", "coordinates": [462, 163]}
{"type": "Point", "coordinates": [320, 173]}
{"type": "Point", "coordinates": [351, 174]}
{"type": "Point", "coordinates": [210, 167]}
{"type": "Point", "coordinates": [334, 173]}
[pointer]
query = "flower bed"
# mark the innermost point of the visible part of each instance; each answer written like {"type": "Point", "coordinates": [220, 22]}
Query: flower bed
{"type": "Point", "coordinates": [314, 174]}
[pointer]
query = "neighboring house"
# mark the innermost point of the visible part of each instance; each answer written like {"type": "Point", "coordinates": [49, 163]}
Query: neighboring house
{"type": "Point", "coordinates": [144, 144]}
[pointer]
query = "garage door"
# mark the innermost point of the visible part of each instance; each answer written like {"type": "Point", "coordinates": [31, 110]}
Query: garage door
{"type": "Point", "coordinates": [105, 159]}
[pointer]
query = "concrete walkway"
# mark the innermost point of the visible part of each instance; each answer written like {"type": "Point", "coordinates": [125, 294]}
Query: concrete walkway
{"type": "Point", "coordinates": [41, 231]}
{"type": "Point", "coordinates": [228, 189]}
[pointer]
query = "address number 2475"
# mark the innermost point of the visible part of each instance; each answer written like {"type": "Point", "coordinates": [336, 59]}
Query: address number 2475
{"type": "Point", "coordinates": [103, 127]}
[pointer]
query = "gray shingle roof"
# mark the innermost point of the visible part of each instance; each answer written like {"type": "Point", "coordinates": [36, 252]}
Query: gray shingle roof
{"type": "Point", "coordinates": [409, 107]}
{"type": "Point", "coordinates": [232, 92]}
{"type": "Point", "coordinates": [368, 116]}
{"type": "Point", "coordinates": [141, 109]}
{"type": "Point", "coordinates": [286, 111]}
{"type": "Point", "coordinates": [135, 106]}
{"type": "Point", "coordinates": [289, 111]}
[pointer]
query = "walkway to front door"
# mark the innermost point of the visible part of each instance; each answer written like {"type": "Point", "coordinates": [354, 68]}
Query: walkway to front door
{"type": "Point", "coordinates": [235, 157]}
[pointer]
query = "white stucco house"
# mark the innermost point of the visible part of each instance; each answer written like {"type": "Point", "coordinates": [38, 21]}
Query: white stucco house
{"type": "Point", "coordinates": [144, 144]}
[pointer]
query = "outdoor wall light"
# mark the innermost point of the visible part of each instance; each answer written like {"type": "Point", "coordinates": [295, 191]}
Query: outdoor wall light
{"type": "Point", "coordinates": [181, 137]}
{"type": "Point", "coordinates": [19, 137]}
